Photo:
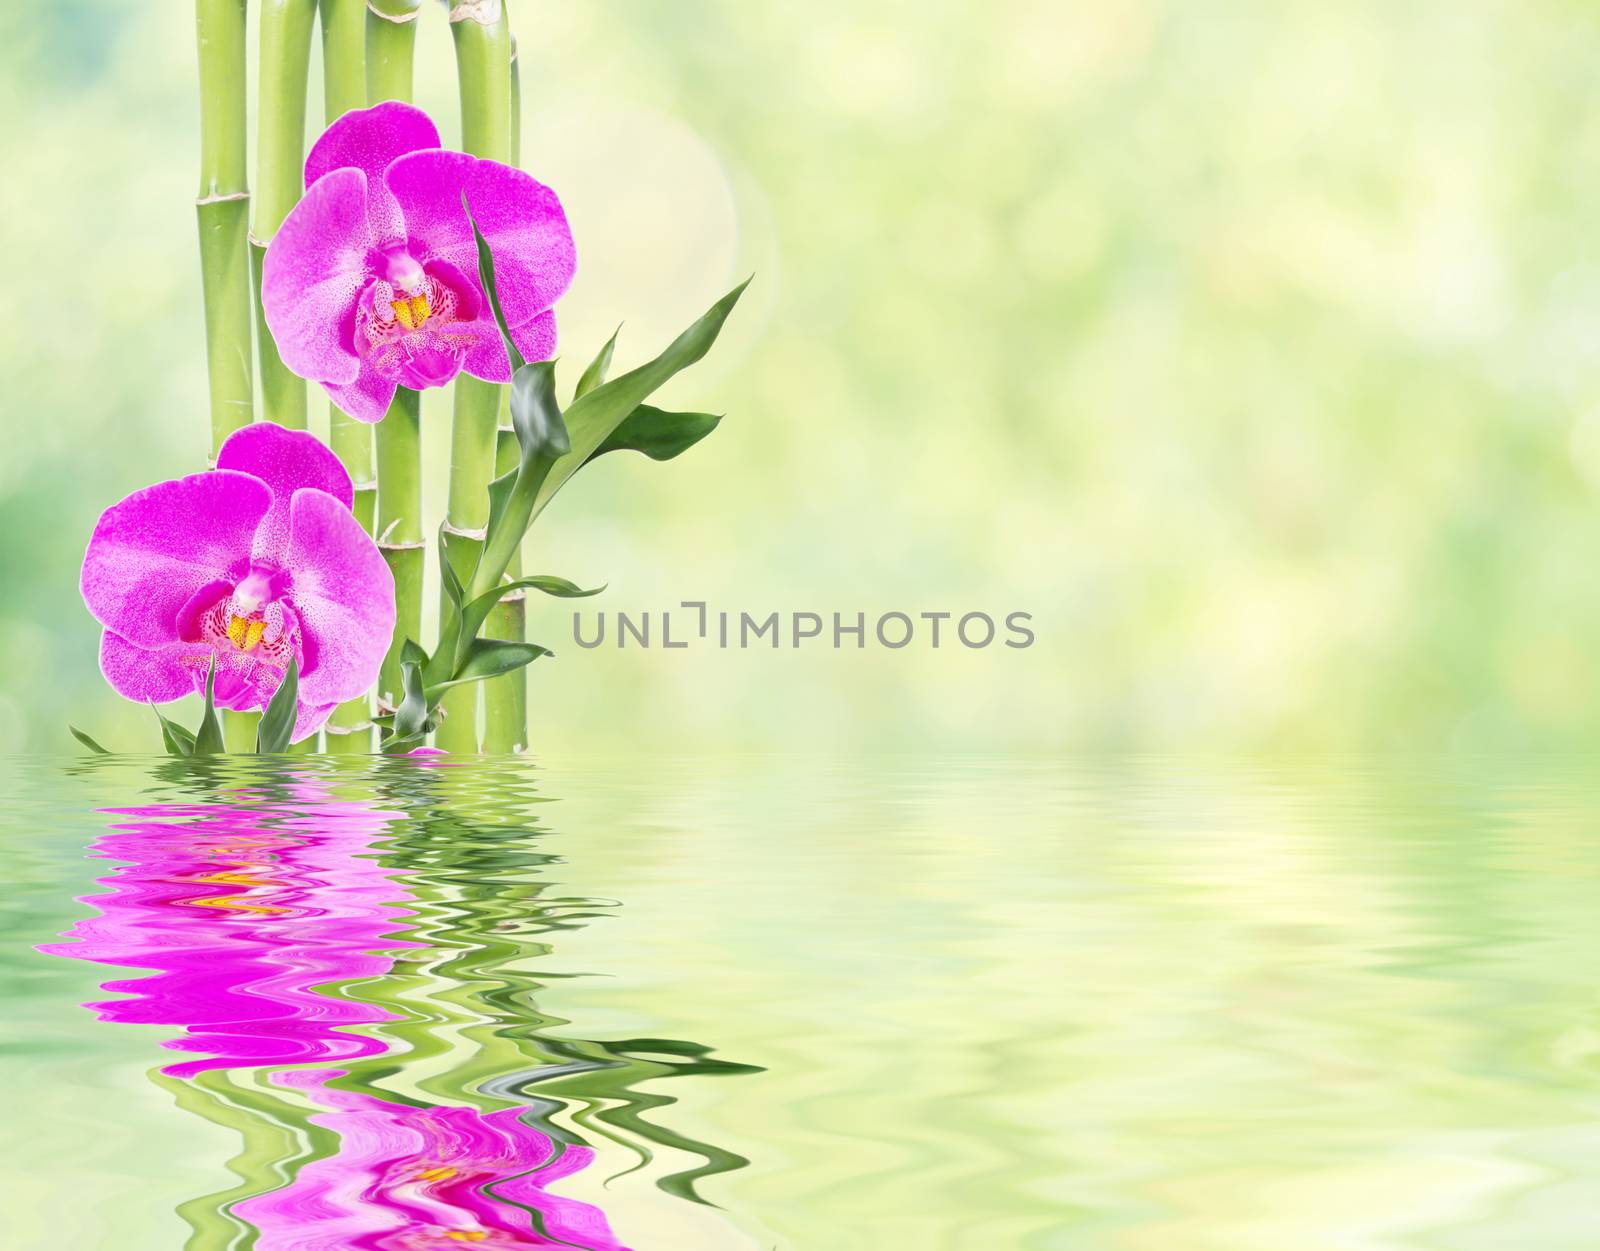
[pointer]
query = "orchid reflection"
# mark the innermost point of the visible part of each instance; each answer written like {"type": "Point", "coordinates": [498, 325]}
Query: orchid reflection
{"type": "Point", "coordinates": [411, 1178]}
{"type": "Point", "coordinates": [244, 908]}
{"type": "Point", "coordinates": [282, 922]}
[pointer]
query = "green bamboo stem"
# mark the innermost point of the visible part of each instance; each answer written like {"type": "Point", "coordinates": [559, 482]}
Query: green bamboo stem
{"type": "Point", "coordinates": [505, 699]}
{"type": "Point", "coordinates": [280, 159]}
{"type": "Point", "coordinates": [344, 87]}
{"type": "Point", "coordinates": [391, 45]}
{"type": "Point", "coordinates": [483, 70]}
{"type": "Point", "coordinates": [399, 527]}
{"type": "Point", "coordinates": [222, 206]}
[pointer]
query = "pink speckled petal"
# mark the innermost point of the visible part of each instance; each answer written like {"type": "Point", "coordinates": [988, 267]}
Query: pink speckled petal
{"type": "Point", "coordinates": [368, 140]}
{"type": "Point", "coordinates": [162, 674]}
{"type": "Point", "coordinates": [315, 267]}
{"type": "Point", "coordinates": [285, 460]}
{"type": "Point", "coordinates": [309, 718]}
{"type": "Point", "coordinates": [344, 595]}
{"type": "Point", "coordinates": [152, 553]}
{"type": "Point", "coordinates": [535, 339]}
{"type": "Point", "coordinates": [367, 398]}
{"type": "Point", "coordinates": [534, 256]}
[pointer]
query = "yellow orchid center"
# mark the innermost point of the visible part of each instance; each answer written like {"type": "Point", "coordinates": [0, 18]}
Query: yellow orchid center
{"type": "Point", "coordinates": [245, 634]}
{"type": "Point", "coordinates": [442, 1172]}
{"type": "Point", "coordinates": [466, 1235]}
{"type": "Point", "coordinates": [411, 312]}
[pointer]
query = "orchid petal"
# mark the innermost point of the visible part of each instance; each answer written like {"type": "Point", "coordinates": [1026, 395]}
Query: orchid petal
{"type": "Point", "coordinates": [368, 140]}
{"type": "Point", "coordinates": [161, 674]}
{"type": "Point", "coordinates": [367, 398]}
{"type": "Point", "coordinates": [343, 594]}
{"type": "Point", "coordinates": [152, 553]}
{"type": "Point", "coordinates": [309, 718]}
{"type": "Point", "coordinates": [534, 256]}
{"type": "Point", "coordinates": [285, 460]}
{"type": "Point", "coordinates": [315, 267]}
{"type": "Point", "coordinates": [535, 339]}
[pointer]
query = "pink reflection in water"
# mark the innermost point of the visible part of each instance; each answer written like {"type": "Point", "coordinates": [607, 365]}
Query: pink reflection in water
{"type": "Point", "coordinates": [416, 1179]}
{"type": "Point", "coordinates": [251, 915]}
{"type": "Point", "coordinates": [243, 910]}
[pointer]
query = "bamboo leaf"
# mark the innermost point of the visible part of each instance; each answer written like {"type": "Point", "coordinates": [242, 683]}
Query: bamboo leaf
{"type": "Point", "coordinates": [599, 367]}
{"type": "Point", "coordinates": [591, 419]}
{"type": "Point", "coordinates": [208, 738]}
{"type": "Point", "coordinates": [398, 746]}
{"type": "Point", "coordinates": [535, 415]}
{"type": "Point", "coordinates": [277, 722]}
{"type": "Point", "coordinates": [411, 653]}
{"type": "Point", "coordinates": [489, 658]}
{"type": "Point", "coordinates": [448, 575]}
{"type": "Point", "coordinates": [660, 435]}
{"type": "Point", "coordinates": [177, 739]}
{"type": "Point", "coordinates": [499, 497]}
{"type": "Point", "coordinates": [486, 276]}
{"type": "Point", "coordinates": [411, 718]}
{"type": "Point", "coordinates": [547, 583]}
{"type": "Point", "coordinates": [86, 740]}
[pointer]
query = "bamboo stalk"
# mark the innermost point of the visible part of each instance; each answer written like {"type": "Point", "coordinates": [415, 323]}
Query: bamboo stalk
{"type": "Point", "coordinates": [280, 178]}
{"type": "Point", "coordinates": [483, 70]}
{"type": "Point", "coordinates": [505, 699]}
{"type": "Point", "coordinates": [222, 206]}
{"type": "Point", "coordinates": [391, 44]}
{"type": "Point", "coordinates": [344, 87]}
{"type": "Point", "coordinates": [399, 527]}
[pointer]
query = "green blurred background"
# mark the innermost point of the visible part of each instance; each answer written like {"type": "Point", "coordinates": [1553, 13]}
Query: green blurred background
{"type": "Point", "coordinates": [1251, 348]}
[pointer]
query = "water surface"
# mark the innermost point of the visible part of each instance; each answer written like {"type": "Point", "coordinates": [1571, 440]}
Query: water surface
{"type": "Point", "coordinates": [810, 1004]}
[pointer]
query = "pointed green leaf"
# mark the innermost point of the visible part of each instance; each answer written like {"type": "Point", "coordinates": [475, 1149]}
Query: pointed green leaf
{"type": "Point", "coordinates": [660, 435]}
{"type": "Point", "coordinates": [411, 653]}
{"type": "Point", "coordinates": [499, 497]}
{"type": "Point", "coordinates": [486, 276]}
{"type": "Point", "coordinates": [411, 718]}
{"type": "Point", "coordinates": [599, 367]}
{"type": "Point", "coordinates": [591, 419]}
{"type": "Point", "coordinates": [447, 573]}
{"type": "Point", "coordinates": [277, 722]}
{"type": "Point", "coordinates": [547, 583]}
{"type": "Point", "coordinates": [535, 415]}
{"type": "Point", "coordinates": [86, 740]}
{"type": "Point", "coordinates": [208, 738]}
{"type": "Point", "coordinates": [489, 658]}
{"type": "Point", "coordinates": [177, 739]}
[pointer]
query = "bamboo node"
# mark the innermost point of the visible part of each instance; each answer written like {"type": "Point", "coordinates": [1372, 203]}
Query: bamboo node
{"type": "Point", "coordinates": [373, 9]}
{"type": "Point", "coordinates": [467, 532]}
{"type": "Point", "coordinates": [483, 12]}
{"type": "Point", "coordinates": [222, 197]}
{"type": "Point", "coordinates": [363, 728]}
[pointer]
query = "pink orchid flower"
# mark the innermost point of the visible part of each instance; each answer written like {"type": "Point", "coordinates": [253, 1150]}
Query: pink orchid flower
{"type": "Point", "coordinates": [410, 1178]}
{"type": "Point", "coordinates": [258, 562]}
{"type": "Point", "coordinates": [372, 280]}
